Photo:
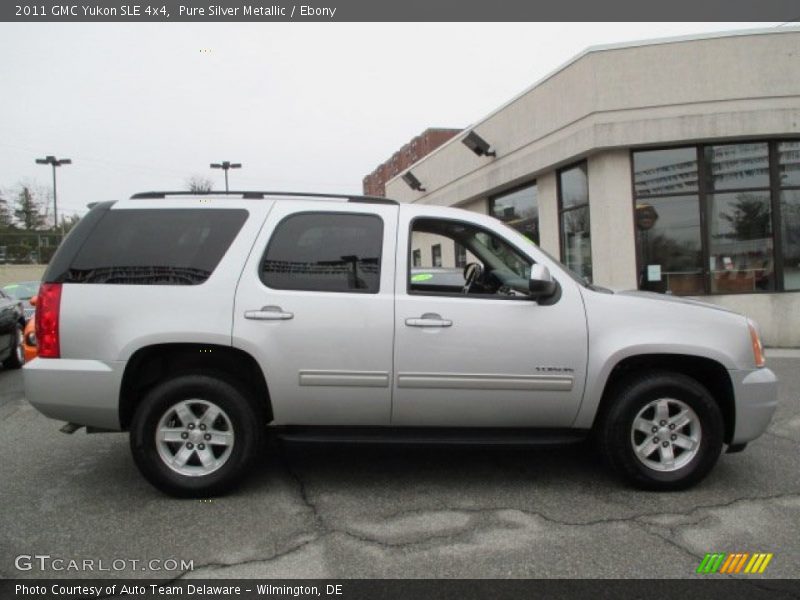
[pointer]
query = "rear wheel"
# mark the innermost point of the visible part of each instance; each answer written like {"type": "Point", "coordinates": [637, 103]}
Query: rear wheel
{"type": "Point", "coordinates": [17, 358]}
{"type": "Point", "coordinates": [195, 435]}
{"type": "Point", "coordinates": [663, 431]}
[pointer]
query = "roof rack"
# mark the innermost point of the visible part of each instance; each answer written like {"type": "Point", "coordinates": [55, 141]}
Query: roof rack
{"type": "Point", "coordinates": [255, 195]}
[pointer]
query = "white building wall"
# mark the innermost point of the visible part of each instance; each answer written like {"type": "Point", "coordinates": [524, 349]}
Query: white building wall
{"type": "Point", "coordinates": [548, 213]}
{"type": "Point", "coordinates": [611, 215]}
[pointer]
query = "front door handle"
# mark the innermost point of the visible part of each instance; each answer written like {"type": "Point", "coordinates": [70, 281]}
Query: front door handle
{"type": "Point", "coordinates": [268, 313]}
{"type": "Point", "coordinates": [429, 320]}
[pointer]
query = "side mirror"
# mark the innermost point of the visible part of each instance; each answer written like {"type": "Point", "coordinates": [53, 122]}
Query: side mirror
{"type": "Point", "coordinates": [541, 283]}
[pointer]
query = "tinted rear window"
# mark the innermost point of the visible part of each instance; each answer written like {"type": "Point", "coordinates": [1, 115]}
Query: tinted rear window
{"type": "Point", "coordinates": [156, 247]}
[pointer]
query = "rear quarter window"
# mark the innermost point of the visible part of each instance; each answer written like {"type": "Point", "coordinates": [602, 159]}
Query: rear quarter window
{"type": "Point", "coordinates": [156, 247]}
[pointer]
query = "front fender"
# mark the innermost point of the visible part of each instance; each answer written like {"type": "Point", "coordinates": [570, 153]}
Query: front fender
{"type": "Point", "coordinates": [621, 327]}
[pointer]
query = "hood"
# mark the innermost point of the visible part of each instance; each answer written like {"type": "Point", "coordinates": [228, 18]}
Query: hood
{"type": "Point", "coordinates": [673, 299]}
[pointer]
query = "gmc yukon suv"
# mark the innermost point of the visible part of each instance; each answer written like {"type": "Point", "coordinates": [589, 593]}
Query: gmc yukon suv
{"type": "Point", "coordinates": [199, 323]}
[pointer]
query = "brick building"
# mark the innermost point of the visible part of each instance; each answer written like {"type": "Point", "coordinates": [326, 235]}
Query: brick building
{"type": "Point", "coordinates": [417, 148]}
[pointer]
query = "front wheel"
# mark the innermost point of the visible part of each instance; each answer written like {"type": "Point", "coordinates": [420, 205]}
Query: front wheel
{"type": "Point", "coordinates": [195, 435]}
{"type": "Point", "coordinates": [663, 431]}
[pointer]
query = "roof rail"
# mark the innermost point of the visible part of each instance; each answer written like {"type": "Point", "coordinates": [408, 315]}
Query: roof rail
{"type": "Point", "coordinates": [257, 195]}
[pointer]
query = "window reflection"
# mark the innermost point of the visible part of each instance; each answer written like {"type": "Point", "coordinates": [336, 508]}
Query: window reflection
{"type": "Point", "coordinates": [789, 163]}
{"type": "Point", "coordinates": [671, 171]}
{"type": "Point", "coordinates": [735, 166]}
{"type": "Point", "coordinates": [577, 241]}
{"type": "Point", "coordinates": [576, 238]}
{"type": "Point", "coordinates": [574, 186]}
{"type": "Point", "coordinates": [670, 246]}
{"type": "Point", "coordinates": [790, 230]}
{"type": "Point", "coordinates": [519, 209]}
{"type": "Point", "coordinates": [741, 249]}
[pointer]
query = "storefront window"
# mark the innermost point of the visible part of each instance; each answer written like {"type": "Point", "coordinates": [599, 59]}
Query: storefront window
{"type": "Point", "coordinates": [740, 236]}
{"type": "Point", "coordinates": [790, 234]}
{"type": "Point", "coordinates": [672, 171]}
{"type": "Point", "coordinates": [720, 236]}
{"type": "Point", "coordinates": [668, 232]}
{"type": "Point", "coordinates": [576, 239]}
{"type": "Point", "coordinates": [737, 166]}
{"type": "Point", "coordinates": [789, 163]}
{"type": "Point", "coordinates": [519, 209]}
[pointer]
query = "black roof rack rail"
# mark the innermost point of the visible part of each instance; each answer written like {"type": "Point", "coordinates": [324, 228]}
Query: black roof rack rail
{"type": "Point", "coordinates": [257, 195]}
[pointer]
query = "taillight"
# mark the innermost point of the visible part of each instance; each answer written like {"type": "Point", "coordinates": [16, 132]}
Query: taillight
{"type": "Point", "coordinates": [48, 307]}
{"type": "Point", "coordinates": [758, 349]}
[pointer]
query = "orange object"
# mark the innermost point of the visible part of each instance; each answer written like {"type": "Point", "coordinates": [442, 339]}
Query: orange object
{"type": "Point", "coordinates": [28, 336]}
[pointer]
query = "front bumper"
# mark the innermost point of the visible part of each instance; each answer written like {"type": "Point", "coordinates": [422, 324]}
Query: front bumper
{"type": "Point", "coordinates": [85, 392]}
{"type": "Point", "coordinates": [756, 394]}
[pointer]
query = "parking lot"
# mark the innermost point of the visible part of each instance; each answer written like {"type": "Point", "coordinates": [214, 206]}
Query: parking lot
{"type": "Point", "coordinates": [396, 511]}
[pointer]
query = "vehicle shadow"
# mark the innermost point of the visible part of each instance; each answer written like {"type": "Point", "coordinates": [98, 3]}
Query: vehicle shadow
{"type": "Point", "coordinates": [385, 466]}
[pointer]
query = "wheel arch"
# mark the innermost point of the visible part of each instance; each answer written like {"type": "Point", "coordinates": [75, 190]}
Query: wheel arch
{"type": "Point", "coordinates": [706, 371]}
{"type": "Point", "coordinates": [152, 364]}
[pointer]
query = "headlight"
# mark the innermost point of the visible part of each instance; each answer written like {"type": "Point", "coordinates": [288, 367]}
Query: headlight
{"type": "Point", "coordinates": [755, 341]}
{"type": "Point", "coordinates": [30, 339]}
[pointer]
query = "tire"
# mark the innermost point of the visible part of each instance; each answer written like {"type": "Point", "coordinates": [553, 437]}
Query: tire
{"type": "Point", "coordinates": [197, 453]}
{"type": "Point", "coordinates": [635, 420]}
{"type": "Point", "coordinates": [17, 358]}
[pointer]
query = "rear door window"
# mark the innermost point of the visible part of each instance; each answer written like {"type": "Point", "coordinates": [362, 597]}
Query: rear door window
{"type": "Point", "coordinates": [325, 252]}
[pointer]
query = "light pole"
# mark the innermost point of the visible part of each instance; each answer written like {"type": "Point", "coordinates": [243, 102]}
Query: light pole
{"type": "Point", "coordinates": [225, 165]}
{"type": "Point", "coordinates": [54, 162]}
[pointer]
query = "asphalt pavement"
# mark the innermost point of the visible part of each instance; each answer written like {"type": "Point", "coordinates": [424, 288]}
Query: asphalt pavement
{"type": "Point", "coordinates": [332, 511]}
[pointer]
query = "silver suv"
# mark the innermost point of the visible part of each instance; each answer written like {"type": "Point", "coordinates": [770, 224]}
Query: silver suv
{"type": "Point", "coordinates": [198, 323]}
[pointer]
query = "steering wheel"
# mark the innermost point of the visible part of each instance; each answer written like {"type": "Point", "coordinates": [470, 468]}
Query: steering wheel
{"type": "Point", "coordinates": [472, 272]}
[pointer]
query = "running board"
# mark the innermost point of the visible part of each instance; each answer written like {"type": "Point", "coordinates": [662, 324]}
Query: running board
{"type": "Point", "coordinates": [430, 435]}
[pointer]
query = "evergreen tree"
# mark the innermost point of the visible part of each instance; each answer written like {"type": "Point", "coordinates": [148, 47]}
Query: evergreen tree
{"type": "Point", "coordinates": [28, 211]}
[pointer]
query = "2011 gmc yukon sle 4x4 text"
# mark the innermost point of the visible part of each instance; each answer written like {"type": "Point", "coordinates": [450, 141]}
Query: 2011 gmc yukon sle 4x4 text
{"type": "Point", "coordinates": [198, 323]}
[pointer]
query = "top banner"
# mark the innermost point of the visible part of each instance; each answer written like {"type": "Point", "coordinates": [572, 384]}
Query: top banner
{"type": "Point", "coordinates": [401, 10]}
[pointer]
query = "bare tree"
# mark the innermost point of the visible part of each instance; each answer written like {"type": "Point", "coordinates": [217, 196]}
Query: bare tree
{"type": "Point", "coordinates": [199, 184]}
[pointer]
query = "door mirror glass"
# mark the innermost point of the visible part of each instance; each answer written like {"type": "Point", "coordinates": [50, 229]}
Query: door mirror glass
{"type": "Point", "coordinates": [541, 283]}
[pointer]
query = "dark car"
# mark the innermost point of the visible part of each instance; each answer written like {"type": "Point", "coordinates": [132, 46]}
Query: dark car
{"type": "Point", "coordinates": [23, 291]}
{"type": "Point", "coordinates": [12, 324]}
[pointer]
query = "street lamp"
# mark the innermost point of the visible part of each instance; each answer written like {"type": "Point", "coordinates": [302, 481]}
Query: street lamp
{"type": "Point", "coordinates": [225, 165]}
{"type": "Point", "coordinates": [54, 162]}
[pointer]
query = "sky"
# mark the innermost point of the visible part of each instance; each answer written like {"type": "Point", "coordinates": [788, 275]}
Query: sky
{"type": "Point", "coordinates": [304, 107]}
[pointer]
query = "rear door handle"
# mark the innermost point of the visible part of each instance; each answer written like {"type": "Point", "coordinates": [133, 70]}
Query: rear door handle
{"type": "Point", "coordinates": [268, 313]}
{"type": "Point", "coordinates": [429, 320]}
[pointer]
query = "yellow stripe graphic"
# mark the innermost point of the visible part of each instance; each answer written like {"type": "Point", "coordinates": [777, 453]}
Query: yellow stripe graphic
{"type": "Point", "coordinates": [758, 562]}
{"type": "Point", "coordinates": [752, 563]}
{"type": "Point", "coordinates": [765, 563]}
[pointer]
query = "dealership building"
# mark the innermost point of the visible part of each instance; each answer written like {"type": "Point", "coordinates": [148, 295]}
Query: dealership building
{"type": "Point", "coordinates": [669, 165]}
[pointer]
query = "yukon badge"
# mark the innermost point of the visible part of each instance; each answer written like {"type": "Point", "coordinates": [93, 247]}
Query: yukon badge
{"type": "Point", "coordinates": [554, 369]}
